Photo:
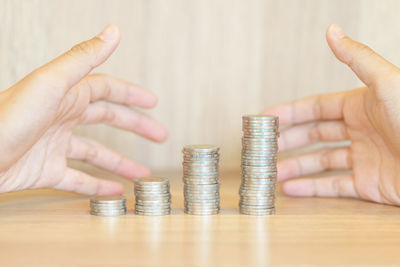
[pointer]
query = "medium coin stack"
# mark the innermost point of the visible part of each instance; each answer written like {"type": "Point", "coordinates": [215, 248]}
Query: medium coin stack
{"type": "Point", "coordinates": [108, 205]}
{"type": "Point", "coordinates": [152, 196]}
{"type": "Point", "coordinates": [259, 157]}
{"type": "Point", "coordinates": [200, 177]}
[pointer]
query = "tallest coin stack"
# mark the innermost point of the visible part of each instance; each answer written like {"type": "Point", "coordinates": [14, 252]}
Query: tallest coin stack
{"type": "Point", "coordinates": [259, 157]}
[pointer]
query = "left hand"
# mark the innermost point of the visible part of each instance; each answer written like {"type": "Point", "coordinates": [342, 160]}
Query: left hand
{"type": "Point", "coordinates": [38, 114]}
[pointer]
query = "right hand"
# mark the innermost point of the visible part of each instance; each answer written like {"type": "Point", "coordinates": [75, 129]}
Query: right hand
{"type": "Point", "coordinates": [369, 117]}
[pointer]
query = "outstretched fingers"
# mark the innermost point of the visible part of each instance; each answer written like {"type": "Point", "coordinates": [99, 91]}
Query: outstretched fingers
{"type": "Point", "coordinates": [124, 118]}
{"type": "Point", "coordinates": [333, 186]}
{"type": "Point", "coordinates": [87, 150]}
{"type": "Point", "coordinates": [82, 183]}
{"type": "Point", "coordinates": [314, 162]}
{"type": "Point", "coordinates": [108, 88]}
{"type": "Point", "coordinates": [309, 133]}
{"type": "Point", "coordinates": [314, 108]}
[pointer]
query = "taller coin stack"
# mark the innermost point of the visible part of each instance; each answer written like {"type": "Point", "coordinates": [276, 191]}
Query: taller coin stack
{"type": "Point", "coordinates": [259, 157]}
{"type": "Point", "coordinates": [152, 195]}
{"type": "Point", "coordinates": [200, 177]}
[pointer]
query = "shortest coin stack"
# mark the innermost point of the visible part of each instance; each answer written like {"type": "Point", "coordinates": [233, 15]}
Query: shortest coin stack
{"type": "Point", "coordinates": [152, 196]}
{"type": "Point", "coordinates": [108, 205]}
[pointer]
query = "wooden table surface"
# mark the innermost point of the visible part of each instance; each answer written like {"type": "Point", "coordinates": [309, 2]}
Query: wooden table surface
{"type": "Point", "coordinates": [48, 228]}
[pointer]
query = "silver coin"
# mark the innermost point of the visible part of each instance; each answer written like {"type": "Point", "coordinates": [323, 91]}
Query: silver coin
{"type": "Point", "coordinates": [147, 190]}
{"type": "Point", "coordinates": [202, 203]}
{"type": "Point", "coordinates": [255, 207]}
{"type": "Point", "coordinates": [153, 195]}
{"type": "Point", "coordinates": [201, 196]}
{"type": "Point", "coordinates": [201, 170]}
{"type": "Point", "coordinates": [258, 213]}
{"type": "Point", "coordinates": [247, 185]}
{"type": "Point", "coordinates": [256, 193]}
{"type": "Point", "coordinates": [157, 200]}
{"type": "Point", "coordinates": [108, 204]}
{"type": "Point", "coordinates": [152, 207]}
{"type": "Point", "coordinates": [260, 179]}
{"type": "Point", "coordinates": [160, 210]}
{"type": "Point", "coordinates": [264, 164]}
{"type": "Point", "coordinates": [108, 209]}
{"type": "Point", "coordinates": [151, 189]}
{"type": "Point", "coordinates": [256, 202]}
{"type": "Point", "coordinates": [260, 139]}
{"type": "Point", "coordinates": [152, 213]}
{"type": "Point", "coordinates": [260, 117]}
{"type": "Point", "coordinates": [107, 213]}
{"type": "Point", "coordinates": [200, 189]}
{"type": "Point", "coordinates": [192, 173]}
{"type": "Point", "coordinates": [209, 180]}
{"type": "Point", "coordinates": [257, 189]}
{"type": "Point", "coordinates": [268, 163]}
{"type": "Point", "coordinates": [263, 143]}
{"type": "Point", "coordinates": [196, 212]}
{"type": "Point", "coordinates": [203, 158]}
{"type": "Point", "coordinates": [252, 183]}
{"type": "Point", "coordinates": [151, 180]}
{"type": "Point", "coordinates": [262, 208]}
{"type": "Point", "coordinates": [198, 172]}
{"type": "Point", "coordinates": [108, 199]}
{"type": "Point", "coordinates": [260, 131]}
{"type": "Point", "coordinates": [118, 211]}
{"type": "Point", "coordinates": [203, 211]}
{"type": "Point", "coordinates": [202, 148]}
{"type": "Point", "coordinates": [254, 175]}
{"type": "Point", "coordinates": [256, 199]}
{"type": "Point", "coordinates": [204, 187]}
{"type": "Point", "coordinates": [198, 182]}
{"type": "Point", "coordinates": [201, 193]}
{"type": "Point", "coordinates": [206, 209]}
{"type": "Point", "coordinates": [253, 169]}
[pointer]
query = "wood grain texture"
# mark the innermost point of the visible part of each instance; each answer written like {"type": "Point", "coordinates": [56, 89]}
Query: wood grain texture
{"type": "Point", "coordinates": [208, 61]}
{"type": "Point", "coordinates": [50, 228]}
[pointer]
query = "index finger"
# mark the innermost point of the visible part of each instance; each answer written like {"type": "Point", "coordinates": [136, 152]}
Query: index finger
{"type": "Point", "coordinates": [317, 107]}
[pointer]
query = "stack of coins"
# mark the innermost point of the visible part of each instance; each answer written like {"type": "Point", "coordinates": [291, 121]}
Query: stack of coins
{"type": "Point", "coordinates": [108, 205]}
{"type": "Point", "coordinates": [200, 177]}
{"type": "Point", "coordinates": [259, 157]}
{"type": "Point", "coordinates": [152, 196]}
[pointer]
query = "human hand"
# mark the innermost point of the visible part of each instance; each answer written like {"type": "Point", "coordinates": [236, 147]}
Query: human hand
{"type": "Point", "coordinates": [369, 117]}
{"type": "Point", "coordinates": [38, 113]}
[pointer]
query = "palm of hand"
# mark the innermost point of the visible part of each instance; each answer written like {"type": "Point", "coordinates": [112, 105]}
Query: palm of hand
{"type": "Point", "coordinates": [45, 163]}
{"type": "Point", "coordinates": [374, 155]}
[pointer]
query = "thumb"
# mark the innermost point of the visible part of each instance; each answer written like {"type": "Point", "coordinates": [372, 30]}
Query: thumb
{"type": "Point", "coordinates": [69, 68]}
{"type": "Point", "coordinates": [370, 67]}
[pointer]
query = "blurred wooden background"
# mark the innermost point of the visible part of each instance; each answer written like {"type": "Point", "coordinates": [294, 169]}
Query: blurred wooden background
{"type": "Point", "coordinates": [209, 61]}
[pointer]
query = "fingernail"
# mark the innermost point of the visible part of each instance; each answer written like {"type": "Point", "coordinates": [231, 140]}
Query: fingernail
{"type": "Point", "coordinates": [337, 32]}
{"type": "Point", "coordinates": [109, 33]}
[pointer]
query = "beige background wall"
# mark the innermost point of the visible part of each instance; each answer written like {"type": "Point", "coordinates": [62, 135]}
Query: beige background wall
{"type": "Point", "coordinates": [209, 61]}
